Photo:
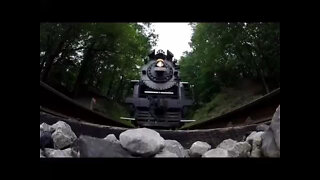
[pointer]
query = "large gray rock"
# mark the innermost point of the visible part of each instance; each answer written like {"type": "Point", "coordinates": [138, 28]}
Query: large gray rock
{"type": "Point", "coordinates": [62, 138]}
{"type": "Point", "coordinates": [91, 147]}
{"type": "Point", "coordinates": [198, 148]}
{"type": "Point", "coordinates": [255, 153]}
{"type": "Point", "coordinates": [112, 138]}
{"type": "Point", "coordinates": [166, 154]}
{"type": "Point", "coordinates": [262, 127]}
{"type": "Point", "coordinates": [60, 125]}
{"type": "Point", "coordinates": [275, 127]}
{"type": "Point", "coordinates": [269, 147]}
{"type": "Point", "coordinates": [175, 147]}
{"type": "Point", "coordinates": [57, 153]}
{"type": "Point", "coordinates": [241, 149]}
{"type": "Point", "coordinates": [142, 141]}
{"type": "Point", "coordinates": [235, 149]}
{"type": "Point", "coordinates": [46, 127]}
{"type": "Point", "coordinates": [63, 135]}
{"type": "Point", "coordinates": [216, 153]}
{"type": "Point", "coordinates": [255, 140]}
{"type": "Point", "coordinates": [227, 144]}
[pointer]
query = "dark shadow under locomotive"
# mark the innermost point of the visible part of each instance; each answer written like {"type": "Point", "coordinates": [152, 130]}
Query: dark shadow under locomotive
{"type": "Point", "coordinates": [160, 99]}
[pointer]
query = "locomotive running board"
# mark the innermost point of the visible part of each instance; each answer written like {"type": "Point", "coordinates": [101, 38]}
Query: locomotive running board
{"type": "Point", "coordinates": [157, 92]}
{"type": "Point", "coordinates": [184, 120]}
{"type": "Point", "coordinates": [130, 119]}
{"type": "Point", "coordinates": [133, 119]}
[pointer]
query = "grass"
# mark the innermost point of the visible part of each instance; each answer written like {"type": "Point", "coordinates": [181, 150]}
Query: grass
{"type": "Point", "coordinates": [222, 103]}
{"type": "Point", "coordinates": [113, 110]}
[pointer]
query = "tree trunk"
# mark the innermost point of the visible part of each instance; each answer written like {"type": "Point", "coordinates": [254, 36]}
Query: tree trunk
{"type": "Point", "coordinates": [48, 49]}
{"type": "Point", "coordinates": [110, 86]}
{"type": "Point", "coordinates": [120, 88]}
{"type": "Point", "coordinates": [88, 56]}
{"type": "Point", "coordinates": [53, 54]}
{"type": "Point", "coordinates": [258, 69]}
{"type": "Point", "coordinates": [42, 64]}
{"type": "Point", "coordinates": [261, 75]}
{"type": "Point", "coordinates": [49, 63]}
{"type": "Point", "coordinates": [111, 80]}
{"type": "Point", "coordinates": [265, 85]}
{"type": "Point", "coordinates": [261, 71]}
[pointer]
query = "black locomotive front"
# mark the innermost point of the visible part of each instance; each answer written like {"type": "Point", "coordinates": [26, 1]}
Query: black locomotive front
{"type": "Point", "coordinates": [159, 97]}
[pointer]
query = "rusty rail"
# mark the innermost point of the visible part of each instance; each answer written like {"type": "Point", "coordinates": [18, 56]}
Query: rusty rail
{"type": "Point", "coordinates": [58, 102]}
{"type": "Point", "coordinates": [55, 106]}
{"type": "Point", "coordinates": [259, 111]}
{"type": "Point", "coordinates": [185, 137]}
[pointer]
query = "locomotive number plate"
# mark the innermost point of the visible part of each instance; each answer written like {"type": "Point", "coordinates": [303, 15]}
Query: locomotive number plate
{"type": "Point", "coordinates": [160, 69]}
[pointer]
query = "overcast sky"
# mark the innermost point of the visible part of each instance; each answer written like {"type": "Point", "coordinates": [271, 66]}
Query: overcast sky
{"type": "Point", "coordinates": [173, 37]}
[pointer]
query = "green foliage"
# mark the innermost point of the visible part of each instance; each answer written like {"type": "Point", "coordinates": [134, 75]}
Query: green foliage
{"type": "Point", "coordinates": [225, 53]}
{"type": "Point", "coordinates": [222, 103]}
{"type": "Point", "coordinates": [100, 56]}
{"type": "Point", "coordinates": [113, 109]}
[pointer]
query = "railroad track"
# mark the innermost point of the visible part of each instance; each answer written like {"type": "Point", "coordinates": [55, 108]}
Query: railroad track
{"type": "Point", "coordinates": [185, 137]}
{"type": "Point", "coordinates": [256, 112]}
{"type": "Point", "coordinates": [54, 106]}
{"type": "Point", "coordinates": [59, 104]}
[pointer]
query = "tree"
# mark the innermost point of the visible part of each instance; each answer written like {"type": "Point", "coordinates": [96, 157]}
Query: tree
{"type": "Point", "coordinates": [224, 53]}
{"type": "Point", "coordinates": [54, 38]}
{"type": "Point", "coordinates": [93, 56]}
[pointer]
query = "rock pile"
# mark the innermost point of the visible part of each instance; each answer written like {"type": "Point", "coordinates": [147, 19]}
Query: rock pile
{"type": "Point", "coordinates": [58, 140]}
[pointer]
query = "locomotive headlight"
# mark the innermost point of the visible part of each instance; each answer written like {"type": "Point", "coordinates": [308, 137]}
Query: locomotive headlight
{"type": "Point", "coordinates": [160, 63]}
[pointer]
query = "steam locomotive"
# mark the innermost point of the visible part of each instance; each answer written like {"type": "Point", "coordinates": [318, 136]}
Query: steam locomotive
{"type": "Point", "coordinates": [160, 99]}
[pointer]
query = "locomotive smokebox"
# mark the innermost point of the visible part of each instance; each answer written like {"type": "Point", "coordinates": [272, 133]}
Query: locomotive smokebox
{"type": "Point", "coordinates": [160, 71]}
